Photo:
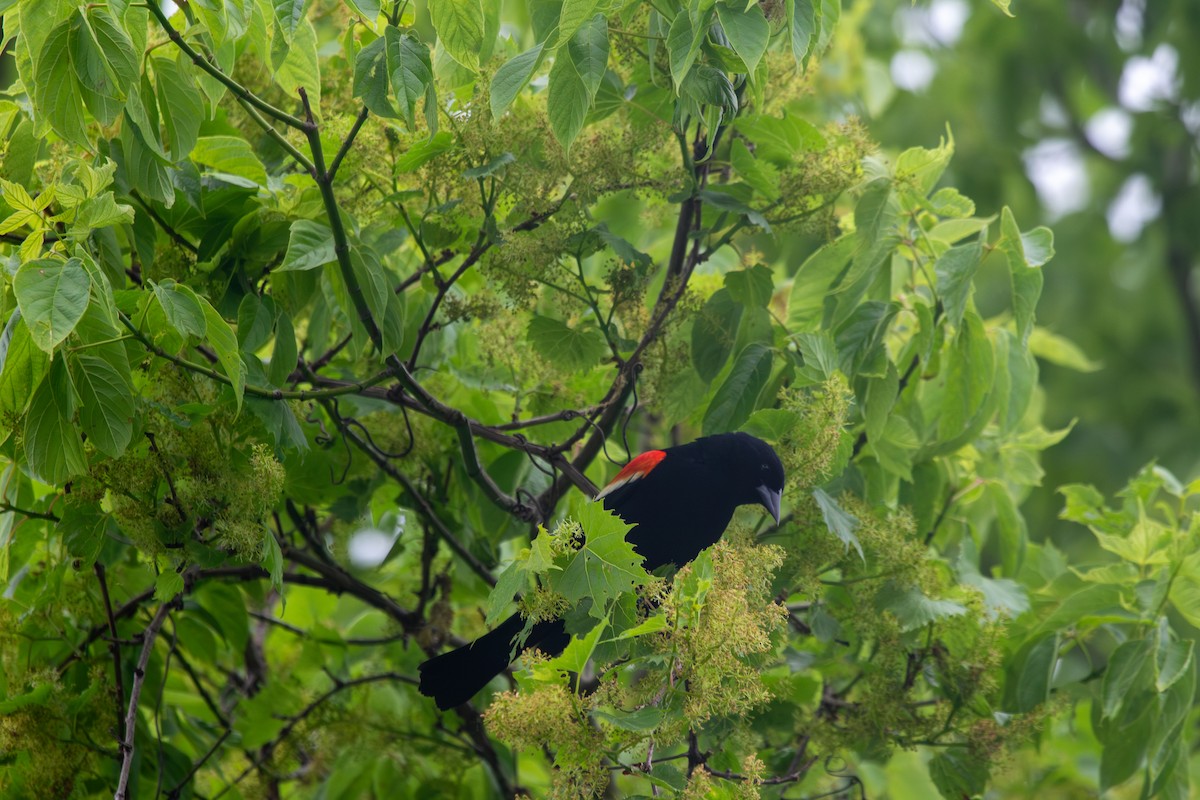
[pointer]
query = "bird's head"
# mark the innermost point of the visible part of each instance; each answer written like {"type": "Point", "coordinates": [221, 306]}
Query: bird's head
{"type": "Point", "coordinates": [754, 469]}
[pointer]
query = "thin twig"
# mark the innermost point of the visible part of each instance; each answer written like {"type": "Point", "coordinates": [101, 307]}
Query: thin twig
{"type": "Point", "coordinates": [114, 647]}
{"type": "Point", "coordinates": [135, 692]}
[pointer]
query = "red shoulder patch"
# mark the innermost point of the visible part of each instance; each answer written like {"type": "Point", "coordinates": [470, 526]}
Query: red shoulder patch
{"type": "Point", "coordinates": [637, 468]}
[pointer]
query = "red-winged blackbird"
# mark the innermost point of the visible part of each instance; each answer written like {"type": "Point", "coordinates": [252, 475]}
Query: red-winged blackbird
{"type": "Point", "coordinates": [680, 501]}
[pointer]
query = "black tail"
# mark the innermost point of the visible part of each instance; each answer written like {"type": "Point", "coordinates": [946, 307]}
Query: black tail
{"type": "Point", "coordinates": [453, 678]}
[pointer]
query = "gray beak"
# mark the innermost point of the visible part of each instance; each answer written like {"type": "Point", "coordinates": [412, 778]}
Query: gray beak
{"type": "Point", "coordinates": [770, 501]}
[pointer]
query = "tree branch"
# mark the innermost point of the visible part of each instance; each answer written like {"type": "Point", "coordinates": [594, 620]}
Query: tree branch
{"type": "Point", "coordinates": [139, 678]}
{"type": "Point", "coordinates": [115, 647]}
{"type": "Point", "coordinates": [212, 69]}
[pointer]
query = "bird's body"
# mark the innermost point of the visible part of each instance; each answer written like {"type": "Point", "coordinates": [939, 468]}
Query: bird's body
{"type": "Point", "coordinates": [680, 500]}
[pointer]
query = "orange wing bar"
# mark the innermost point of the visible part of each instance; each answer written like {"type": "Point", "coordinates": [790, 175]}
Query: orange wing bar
{"type": "Point", "coordinates": [637, 468]}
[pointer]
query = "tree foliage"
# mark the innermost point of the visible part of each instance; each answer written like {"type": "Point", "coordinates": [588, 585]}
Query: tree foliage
{"type": "Point", "coordinates": [325, 320]}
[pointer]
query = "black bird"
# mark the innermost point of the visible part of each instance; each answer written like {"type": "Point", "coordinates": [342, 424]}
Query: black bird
{"type": "Point", "coordinates": [680, 501]}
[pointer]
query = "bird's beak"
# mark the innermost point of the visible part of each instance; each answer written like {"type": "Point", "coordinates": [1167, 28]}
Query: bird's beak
{"type": "Point", "coordinates": [770, 501]}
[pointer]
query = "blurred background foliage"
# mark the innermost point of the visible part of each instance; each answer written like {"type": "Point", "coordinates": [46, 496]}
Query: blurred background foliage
{"type": "Point", "coordinates": [1082, 114]}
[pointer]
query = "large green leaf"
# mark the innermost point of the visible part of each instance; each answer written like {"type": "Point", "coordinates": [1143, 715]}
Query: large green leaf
{"type": "Point", "coordinates": [578, 348]}
{"type": "Point", "coordinates": [747, 30]}
{"type": "Point", "coordinates": [511, 78]}
{"type": "Point", "coordinates": [955, 274]}
{"type": "Point", "coordinates": [912, 608]}
{"type": "Point", "coordinates": [575, 78]}
{"type": "Point", "coordinates": [180, 102]}
{"type": "Point", "coordinates": [737, 397]}
{"type": "Point", "coordinates": [713, 333]}
{"type": "Point", "coordinates": [52, 446]}
{"type": "Point", "coordinates": [371, 79]}
{"type": "Point", "coordinates": [52, 295]}
{"type": "Point", "coordinates": [801, 24]}
{"type": "Point", "coordinates": [1024, 271]}
{"type": "Point", "coordinates": [816, 275]}
{"type": "Point", "coordinates": [310, 245]}
{"type": "Point", "coordinates": [104, 62]}
{"type": "Point", "coordinates": [106, 407]}
{"type": "Point", "coordinates": [182, 308]}
{"type": "Point", "coordinates": [410, 69]}
{"type": "Point", "coordinates": [604, 567]}
{"type": "Point", "coordinates": [56, 91]}
{"type": "Point", "coordinates": [459, 25]}
{"type": "Point", "coordinates": [22, 367]}
{"type": "Point", "coordinates": [231, 155]}
{"type": "Point", "coordinates": [225, 345]}
{"type": "Point", "coordinates": [683, 45]}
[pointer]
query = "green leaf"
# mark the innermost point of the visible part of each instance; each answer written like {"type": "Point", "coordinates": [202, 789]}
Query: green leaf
{"type": "Point", "coordinates": [225, 345]}
{"type": "Point", "coordinates": [24, 366]}
{"type": "Point", "coordinates": [683, 45]}
{"type": "Point", "coordinates": [490, 168]}
{"type": "Point", "coordinates": [104, 62]}
{"type": "Point", "coordinates": [83, 527]}
{"type": "Point", "coordinates": [283, 358]}
{"type": "Point", "coordinates": [1122, 755]}
{"type": "Point", "coordinates": [1172, 663]}
{"type": "Point", "coordinates": [1025, 274]}
{"type": "Point", "coordinates": [368, 9]}
{"type": "Point", "coordinates": [290, 15]}
{"type": "Point", "coordinates": [310, 245]}
{"type": "Point", "coordinates": [802, 24]}
{"type": "Point", "coordinates": [919, 168]}
{"type": "Point", "coordinates": [272, 560]}
{"type": "Point", "coordinates": [34, 697]}
{"type": "Point", "coordinates": [302, 68]}
{"type": "Point", "coordinates": [459, 25]}
{"type": "Point", "coordinates": [752, 287]}
{"type": "Point", "coordinates": [575, 78]}
{"type": "Point", "coordinates": [651, 624]}
{"type": "Point", "coordinates": [912, 608]}
{"type": "Point", "coordinates": [840, 522]}
{"type": "Point", "coordinates": [1001, 596]}
{"type": "Point", "coordinates": [1130, 665]}
{"type": "Point", "coordinates": [231, 155]}
{"type": "Point", "coordinates": [643, 720]}
{"type": "Point", "coordinates": [760, 174]}
{"type": "Point", "coordinates": [955, 275]}
{"type": "Point", "coordinates": [52, 295]}
{"type": "Point", "coordinates": [747, 30]}
{"type": "Point", "coordinates": [181, 307]}
{"type": "Point", "coordinates": [52, 446]}
{"type": "Point", "coordinates": [512, 77]}
{"type": "Point", "coordinates": [579, 650]}
{"type": "Point", "coordinates": [513, 580]}
{"type": "Point", "coordinates": [969, 377]}
{"type": "Point", "coordinates": [806, 304]}
{"type": "Point", "coordinates": [771, 424]}
{"type": "Point", "coordinates": [713, 334]}
{"type": "Point", "coordinates": [411, 70]}
{"type": "Point", "coordinates": [574, 14]}
{"type": "Point", "coordinates": [780, 140]}
{"type": "Point", "coordinates": [373, 280]}
{"type": "Point", "coordinates": [1185, 589]}
{"type": "Point", "coordinates": [1060, 350]}
{"type": "Point", "coordinates": [578, 348]}
{"type": "Point", "coordinates": [106, 400]}
{"type": "Point", "coordinates": [255, 319]}
{"type": "Point", "coordinates": [737, 397]}
{"type": "Point", "coordinates": [168, 584]}
{"type": "Point", "coordinates": [424, 151]}
{"type": "Point", "coordinates": [604, 567]}
{"type": "Point", "coordinates": [958, 773]}
{"type": "Point", "coordinates": [371, 79]}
